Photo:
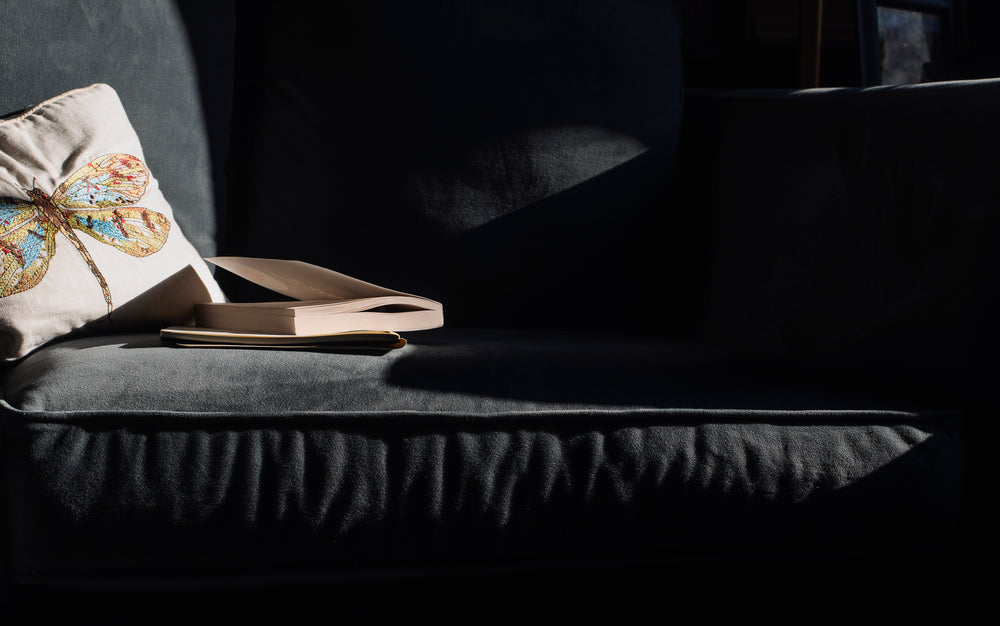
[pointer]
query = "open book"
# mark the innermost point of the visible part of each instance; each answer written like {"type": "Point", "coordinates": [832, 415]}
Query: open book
{"type": "Point", "coordinates": [329, 307]}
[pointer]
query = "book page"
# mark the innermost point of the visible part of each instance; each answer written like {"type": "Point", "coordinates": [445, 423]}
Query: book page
{"type": "Point", "coordinates": [300, 280]}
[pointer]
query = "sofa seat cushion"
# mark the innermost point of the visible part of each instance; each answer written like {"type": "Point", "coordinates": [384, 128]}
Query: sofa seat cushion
{"type": "Point", "coordinates": [450, 371]}
{"type": "Point", "coordinates": [129, 459]}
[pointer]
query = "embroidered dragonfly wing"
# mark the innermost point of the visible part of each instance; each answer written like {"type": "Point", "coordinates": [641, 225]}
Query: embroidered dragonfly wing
{"type": "Point", "coordinates": [95, 201]}
{"type": "Point", "coordinates": [110, 180]}
{"type": "Point", "coordinates": [27, 242]}
{"type": "Point", "coordinates": [134, 230]}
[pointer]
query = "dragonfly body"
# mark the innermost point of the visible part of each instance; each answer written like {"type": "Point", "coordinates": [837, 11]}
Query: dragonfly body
{"type": "Point", "coordinates": [54, 215]}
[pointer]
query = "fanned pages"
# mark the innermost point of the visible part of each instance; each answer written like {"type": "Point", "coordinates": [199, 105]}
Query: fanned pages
{"type": "Point", "coordinates": [301, 280]}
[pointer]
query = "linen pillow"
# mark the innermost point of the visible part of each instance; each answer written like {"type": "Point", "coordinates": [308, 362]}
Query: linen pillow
{"type": "Point", "coordinates": [87, 240]}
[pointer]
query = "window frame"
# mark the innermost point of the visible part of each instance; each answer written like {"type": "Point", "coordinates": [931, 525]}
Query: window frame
{"type": "Point", "coordinates": [868, 42]}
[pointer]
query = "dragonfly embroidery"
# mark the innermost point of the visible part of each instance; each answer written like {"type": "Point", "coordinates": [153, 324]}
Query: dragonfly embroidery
{"type": "Point", "coordinates": [97, 200]}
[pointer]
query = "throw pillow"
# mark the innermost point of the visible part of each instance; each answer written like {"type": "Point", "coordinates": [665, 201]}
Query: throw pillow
{"type": "Point", "coordinates": [87, 239]}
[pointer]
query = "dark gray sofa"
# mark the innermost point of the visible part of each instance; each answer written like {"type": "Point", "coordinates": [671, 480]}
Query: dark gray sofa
{"type": "Point", "coordinates": [745, 334]}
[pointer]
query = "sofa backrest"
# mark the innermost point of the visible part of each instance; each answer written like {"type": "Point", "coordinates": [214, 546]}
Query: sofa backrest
{"type": "Point", "coordinates": [511, 159]}
{"type": "Point", "coordinates": [144, 51]}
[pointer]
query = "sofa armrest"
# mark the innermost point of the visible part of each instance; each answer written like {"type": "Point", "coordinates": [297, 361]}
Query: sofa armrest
{"type": "Point", "coordinates": [850, 225]}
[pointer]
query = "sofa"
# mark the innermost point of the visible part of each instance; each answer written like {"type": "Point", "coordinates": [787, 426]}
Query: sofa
{"type": "Point", "coordinates": [690, 335]}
